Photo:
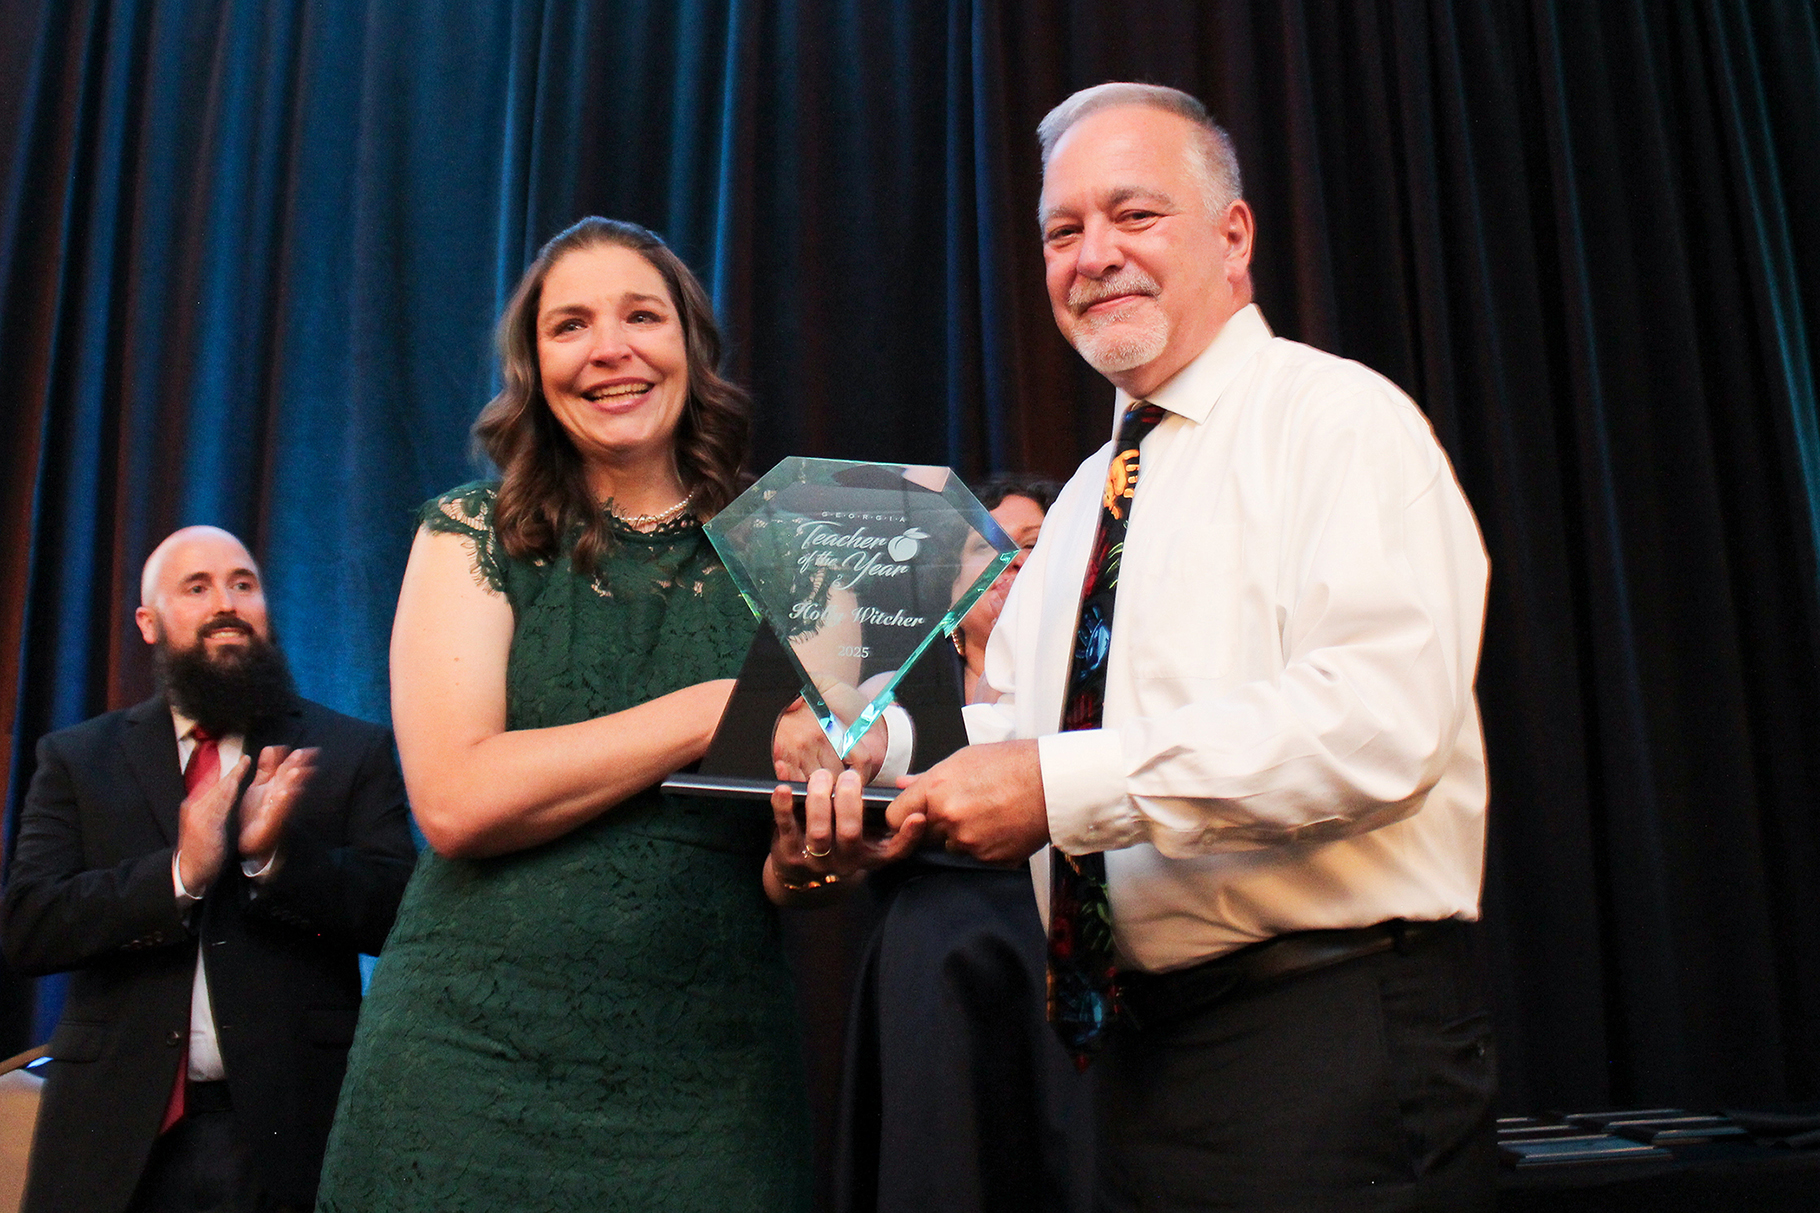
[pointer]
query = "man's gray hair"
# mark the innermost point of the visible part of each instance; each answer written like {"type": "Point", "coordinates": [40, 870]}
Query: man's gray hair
{"type": "Point", "coordinates": [1215, 163]}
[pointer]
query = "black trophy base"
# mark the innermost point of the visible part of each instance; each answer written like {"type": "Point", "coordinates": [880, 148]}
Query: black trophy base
{"type": "Point", "coordinates": [739, 763]}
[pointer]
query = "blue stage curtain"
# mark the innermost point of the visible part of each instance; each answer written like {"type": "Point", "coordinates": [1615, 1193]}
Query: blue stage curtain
{"type": "Point", "coordinates": [250, 253]}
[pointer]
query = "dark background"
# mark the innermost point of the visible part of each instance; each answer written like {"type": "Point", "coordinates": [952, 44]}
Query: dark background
{"type": "Point", "coordinates": [250, 253]}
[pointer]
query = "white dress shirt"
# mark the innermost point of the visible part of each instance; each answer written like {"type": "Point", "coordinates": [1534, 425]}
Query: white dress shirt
{"type": "Point", "coordinates": [1290, 738]}
{"type": "Point", "coordinates": [205, 1045]}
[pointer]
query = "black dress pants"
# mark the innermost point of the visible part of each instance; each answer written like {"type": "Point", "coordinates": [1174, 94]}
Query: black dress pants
{"type": "Point", "coordinates": [1367, 1085]}
{"type": "Point", "coordinates": [200, 1165]}
{"type": "Point", "coordinates": [958, 1096]}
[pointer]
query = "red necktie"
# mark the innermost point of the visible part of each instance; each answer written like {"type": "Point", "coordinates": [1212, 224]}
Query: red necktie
{"type": "Point", "coordinates": [204, 769]}
{"type": "Point", "coordinates": [1083, 996]}
{"type": "Point", "coordinates": [205, 761]}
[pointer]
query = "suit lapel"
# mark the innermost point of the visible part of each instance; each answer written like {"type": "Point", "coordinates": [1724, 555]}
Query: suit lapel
{"type": "Point", "coordinates": [150, 742]}
{"type": "Point", "coordinates": [282, 729]}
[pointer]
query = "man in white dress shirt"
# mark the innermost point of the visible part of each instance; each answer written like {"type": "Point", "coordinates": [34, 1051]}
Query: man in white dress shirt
{"type": "Point", "coordinates": [1288, 780]}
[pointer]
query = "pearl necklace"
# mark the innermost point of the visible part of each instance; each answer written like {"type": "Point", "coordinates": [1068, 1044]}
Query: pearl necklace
{"type": "Point", "coordinates": [639, 521]}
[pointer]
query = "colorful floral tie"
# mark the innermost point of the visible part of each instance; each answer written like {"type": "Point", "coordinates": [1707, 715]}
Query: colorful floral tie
{"type": "Point", "coordinates": [1082, 998]}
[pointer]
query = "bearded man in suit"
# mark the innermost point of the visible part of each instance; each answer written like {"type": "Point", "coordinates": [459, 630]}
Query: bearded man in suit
{"type": "Point", "coordinates": [208, 866]}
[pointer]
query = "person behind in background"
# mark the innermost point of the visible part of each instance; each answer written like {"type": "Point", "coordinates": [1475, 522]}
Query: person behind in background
{"type": "Point", "coordinates": [1017, 504]}
{"type": "Point", "coordinates": [956, 1094]}
{"type": "Point", "coordinates": [1237, 699]}
{"type": "Point", "coordinates": [584, 1005]}
{"type": "Point", "coordinates": [208, 866]}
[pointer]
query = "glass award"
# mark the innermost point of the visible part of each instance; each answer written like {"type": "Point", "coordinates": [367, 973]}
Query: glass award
{"type": "Point", "coordinates": [854, 570]}
{"type": "Point", "coordinates": [857, 568]}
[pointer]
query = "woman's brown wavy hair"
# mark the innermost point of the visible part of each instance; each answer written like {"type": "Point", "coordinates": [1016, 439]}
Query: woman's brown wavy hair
{"type": "Point", "coordinates": [543, 491]}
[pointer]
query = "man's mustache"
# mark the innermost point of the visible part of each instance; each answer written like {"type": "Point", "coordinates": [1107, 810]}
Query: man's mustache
{"type": "Point", "coordinates": [1083, 293]}
{"type": "Point", "coordinates": [224, 623]}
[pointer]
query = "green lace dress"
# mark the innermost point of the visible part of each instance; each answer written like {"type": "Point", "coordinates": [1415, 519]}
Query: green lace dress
{"type": "Point", "coordinates": [604, 1021]}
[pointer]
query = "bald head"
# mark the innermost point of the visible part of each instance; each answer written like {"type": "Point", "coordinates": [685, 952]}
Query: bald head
{"type": "Point", "coordinates": [180, 541]}
{"type": "Point", "coordinates": [201, 586]}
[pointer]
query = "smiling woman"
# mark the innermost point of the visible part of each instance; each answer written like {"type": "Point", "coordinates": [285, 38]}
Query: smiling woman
{"type": "Point", "coordinates": [601, 308]}
{"type": "Point", "coordinates": [614, 371]}
{"type": "Point", "coordinates": [584, 1004]}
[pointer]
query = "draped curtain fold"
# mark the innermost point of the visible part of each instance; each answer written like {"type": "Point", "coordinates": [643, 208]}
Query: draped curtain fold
{"type": "Point", "coordinates": [251, 253]}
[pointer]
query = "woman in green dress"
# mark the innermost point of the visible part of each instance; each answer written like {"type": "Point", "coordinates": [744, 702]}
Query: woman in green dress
{"type": "Point", "coordinates": [584, 1004]}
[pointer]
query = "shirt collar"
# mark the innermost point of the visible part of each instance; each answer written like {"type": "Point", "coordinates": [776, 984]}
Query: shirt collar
{"type": "Point", "coordinates": [1193, 391]}
{"type": "Point", "coordinates": [186, 727]}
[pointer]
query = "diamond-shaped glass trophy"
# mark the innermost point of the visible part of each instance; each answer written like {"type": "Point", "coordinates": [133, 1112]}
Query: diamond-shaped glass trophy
{"type": "Point", "coordinates": [857, 569]}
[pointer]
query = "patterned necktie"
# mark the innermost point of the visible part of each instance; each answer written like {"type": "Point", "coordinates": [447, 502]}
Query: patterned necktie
{"type": "Point", "coordinates": [1082, 998]}
{"type": "Point", "coordinates": [203, 769]}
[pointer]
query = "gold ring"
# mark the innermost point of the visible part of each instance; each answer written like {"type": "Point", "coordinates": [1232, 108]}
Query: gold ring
{"type": "Point", "coordinates": [817, 854]}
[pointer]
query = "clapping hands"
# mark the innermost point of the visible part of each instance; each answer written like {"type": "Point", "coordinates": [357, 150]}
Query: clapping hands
{"type": "Point", "coordinates": [202, 842]}
{"type": "Point", "coordinates": [277, 783]}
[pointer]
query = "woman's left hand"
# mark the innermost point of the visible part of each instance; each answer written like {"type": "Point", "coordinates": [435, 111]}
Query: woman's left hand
{"type": "Point", "coordinates": [799, 746]}
{"type": "Point", "coordinates": [830, 844]}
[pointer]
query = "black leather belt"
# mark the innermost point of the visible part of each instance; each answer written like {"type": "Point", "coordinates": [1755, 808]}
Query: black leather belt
{"type": "Point", "coordinates": [1147, 1000]}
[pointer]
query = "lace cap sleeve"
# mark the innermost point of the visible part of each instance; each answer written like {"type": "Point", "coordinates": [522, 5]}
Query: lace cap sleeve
{"type": "Point", "coordinates": [467, 511]}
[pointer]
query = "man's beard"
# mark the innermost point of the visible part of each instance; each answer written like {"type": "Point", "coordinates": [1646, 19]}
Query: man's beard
{"type": "Point", "coordinates": [230, 691]}
{"type": "Point", "coordinates": [1118, 342]}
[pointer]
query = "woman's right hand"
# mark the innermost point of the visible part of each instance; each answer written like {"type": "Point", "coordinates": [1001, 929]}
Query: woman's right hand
{"type": "Point", "coordinates": [830, 845]}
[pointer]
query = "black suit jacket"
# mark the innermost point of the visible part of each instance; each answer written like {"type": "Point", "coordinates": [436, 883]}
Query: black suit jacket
{"type": "Point", "coordinates": [89, 891]}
